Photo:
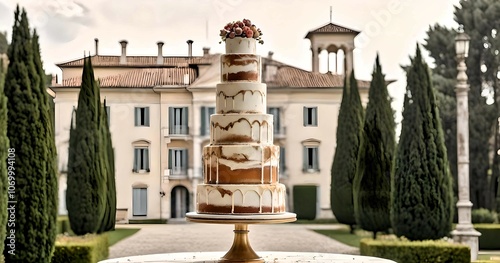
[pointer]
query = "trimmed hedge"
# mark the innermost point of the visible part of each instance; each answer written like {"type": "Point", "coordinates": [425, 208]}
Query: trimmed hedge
{"type": "Point", "coordinates": [483, 216]}
{"type": "Point", "coordinates": [90, 248]}
{"type": "Point", "coordinates": [490, 236]}
{"type": "Point", "coordinates": [305, 201]}
{"type": "Point", "coordinates": [404, 251]}
{"type": "Point", "coordinates": [147, 221]}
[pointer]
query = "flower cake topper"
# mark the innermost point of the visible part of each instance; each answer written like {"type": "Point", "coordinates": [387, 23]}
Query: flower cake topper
{"type": "Point", "coordinates": [243, 28]}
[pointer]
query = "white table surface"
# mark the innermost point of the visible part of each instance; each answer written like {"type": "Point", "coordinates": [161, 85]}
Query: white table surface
{"type": "Point", "coordinates": [272, 257]}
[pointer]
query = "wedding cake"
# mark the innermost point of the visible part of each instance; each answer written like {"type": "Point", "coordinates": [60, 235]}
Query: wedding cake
{"type": "Point", "coordinates": [241, 163]}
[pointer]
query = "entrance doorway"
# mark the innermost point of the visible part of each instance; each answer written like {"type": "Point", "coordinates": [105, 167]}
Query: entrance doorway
{"type": "Point", "coordinates": [179, 202]}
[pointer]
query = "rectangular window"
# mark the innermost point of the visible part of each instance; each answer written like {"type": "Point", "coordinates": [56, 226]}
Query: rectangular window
{"type": "Point", "coordinates": [310, 116]}
{"type": "Point", "coordinates": [141, 116]}
{"type": "Point", "coordinates": [282, 160]}
{"type": "Point", "coordinates": [141, 159]}
{"type": "Point", "coordinates": [178, 120]}
{"type": "Point", "coordinates": [205, 119]}
{"type": "Point", "coordinates": [276, 112]}
{"type": "Point", "coordinates": [140, 202]}
{"type": "Point", "coordinates": [178, 161]}
{"type": "Point", "coordinates": [311, 159]}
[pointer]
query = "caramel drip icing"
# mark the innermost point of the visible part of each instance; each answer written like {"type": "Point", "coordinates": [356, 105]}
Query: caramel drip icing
{"type": "Point", "coordinates": [235, 139]}
{"type": "Point", "coordinates": [243, 92]}
{"type": "Point", "coordinates": [231, 124]}
{"type": "Point", "coordinates": [239, 59]}
{"type": "Point", "coordinates": [241, 76]}
{"type": "Point", "coordinates": [217, 151]}
{"type": "Point", "coordinates": [226, 175]}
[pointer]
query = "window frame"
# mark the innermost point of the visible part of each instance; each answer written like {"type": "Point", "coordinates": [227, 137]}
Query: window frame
{"type": "Point", "coordinates": [143, 194]}
{"type": "Point", "coordinates": [310, 116]}
{"type": "Point", "coordinates": [141, 118]}
{"type": "Point", "coordinates": [178, 129]}
{"type": "Point", "coordinates": [205, 113]}
{"type": "Point", "coordinates": [184, 155]}
{"type": "Point", "coordinates": [139, 156]}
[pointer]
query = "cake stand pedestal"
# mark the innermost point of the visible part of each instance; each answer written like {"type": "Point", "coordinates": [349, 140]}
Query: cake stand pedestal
{"type": "Point", "coordinates": [241, 251]}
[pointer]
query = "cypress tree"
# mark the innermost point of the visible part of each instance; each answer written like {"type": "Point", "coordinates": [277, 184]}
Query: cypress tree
{"type": "Point", "coordinates": [421, 199]}
{"type": "Point", "coordinates": [4, 144]}
{"type": "Point", "coordinates": [28, 137]}
{"type": "Point", "coordinates": [372, 184]}
{"type": "Point", "coordinates": [51, 191]}
{"type": "Point", "coordinates": [85, 191]}
{"type": "Point", "coordinates": [110, 210]}
{"type": "Point", "coordinates": [349, 125]}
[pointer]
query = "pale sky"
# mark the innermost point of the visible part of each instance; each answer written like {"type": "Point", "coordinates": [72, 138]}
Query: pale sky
{"type": "Point", "coordinates": [392, 28]}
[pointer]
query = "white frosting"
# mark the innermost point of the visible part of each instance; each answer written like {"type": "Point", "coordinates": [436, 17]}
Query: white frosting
{"type": "Point", "coordinates": [239, 45]}
{"type": "Point", "coordinates": [234, 195]}
{"type": "Point", "coordinates": [240, 156]}
{"type": "Point", "coordinates": [241, 97]}
{"type": "Point", "coordinates": [241, 128]}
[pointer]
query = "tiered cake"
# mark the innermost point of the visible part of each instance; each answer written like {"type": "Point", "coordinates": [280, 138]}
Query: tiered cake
{"type": "Point", "coordinates": [241, 163]}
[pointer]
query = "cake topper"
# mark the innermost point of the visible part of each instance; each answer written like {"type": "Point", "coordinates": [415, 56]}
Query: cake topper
{"type": "Point", "coordinates": [244, 29]}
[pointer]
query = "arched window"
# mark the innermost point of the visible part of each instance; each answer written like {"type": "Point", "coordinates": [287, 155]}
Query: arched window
{"type": "Point", "coordinates": [141, 156]}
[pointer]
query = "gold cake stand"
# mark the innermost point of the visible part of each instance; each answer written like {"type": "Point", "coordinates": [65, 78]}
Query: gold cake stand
{"type": "Point", "coordinates": [241, 251]}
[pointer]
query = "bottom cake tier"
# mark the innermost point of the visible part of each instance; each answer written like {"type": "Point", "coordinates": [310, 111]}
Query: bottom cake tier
{"type": "Point", "coordinates": [240, 198]}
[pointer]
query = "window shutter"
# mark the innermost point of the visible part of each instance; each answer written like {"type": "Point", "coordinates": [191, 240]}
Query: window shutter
{"type": "Point", "coordinates": [277, 124]}
{"type": "Point", "coordinates": [136, 201]}
{"type": "Point", "coordinates": [304, 158]}
{"type": "Point", "coordinates": [185, 119]}
{"type": "Point", "coordinates": [170, 158]}
{"type": "Point", "coordinates": [305, 116]}
{"type": "Point", "coordinates": [282, 160]}
{"type": "Point", "coordinates": [137, 115]}
{"type": "Point", "coordinates": [144, 201]}
{"type": "Point", "coordinates": [314, 116]}
{"type": "Point", "coordinates": [184, 161]}
{"type": "Point", "coordinates": [145, 158]}
{"type": "Point", "coordinates": [171, 120]}
{"type": "Point", "coordinates": [316, 158]}
{"type": "Point", "coordinates": [146, 116]}
{"type": "Point", "coordinates": [136, 159]}
{"type": "Point", "coordinates": [203, 120]}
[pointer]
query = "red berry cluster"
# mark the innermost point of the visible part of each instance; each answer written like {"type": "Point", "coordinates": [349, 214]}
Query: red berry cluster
{"type": "Point", "coordinates": [243, 28]}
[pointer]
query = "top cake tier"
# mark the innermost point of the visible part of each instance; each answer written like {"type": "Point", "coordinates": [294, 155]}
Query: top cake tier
{"type": "Point", "coordinates": [240, 45]}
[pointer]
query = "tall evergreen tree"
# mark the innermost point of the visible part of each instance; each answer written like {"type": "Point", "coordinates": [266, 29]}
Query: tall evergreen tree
{"type": "Point", "coordinates": [372, 184]}
{"type": "Point", "coordinates": [110, 210]}
{"type": "Point", "coordinates": [85, 186]}
{"type": "Point", "coordinates": [28, 136]}
{"type": "Point", "coordinates": [4, 144]}
{"type": "Point", "coordinates": [350, 121]}
{"type": "Point", "coordinates": [51, 191]}
{"type": "Point", "coordinates": [421, 200]}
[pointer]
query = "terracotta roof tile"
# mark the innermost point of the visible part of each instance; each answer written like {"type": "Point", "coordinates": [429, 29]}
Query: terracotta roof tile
{"type": "Point", "coordinates": [290, 77]}
{"type": "Point", "coordinates": [331, 28]}
{"type": "Point", "coordinates": [140, 78]}
{"type": "Point", "coordinates": [139, 61]}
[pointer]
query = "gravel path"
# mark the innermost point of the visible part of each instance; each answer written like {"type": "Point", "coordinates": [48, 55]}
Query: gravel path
{"type": "Point", "coordinates": [194, 237]}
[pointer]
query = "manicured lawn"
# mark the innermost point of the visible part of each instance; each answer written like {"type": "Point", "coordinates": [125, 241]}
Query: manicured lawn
{"type": "Point", "coordinates": [489, 256]}
{"type": "Point", "coordinates": [120, 233]}
{"type": "Point", "coordinates": [343, 235]}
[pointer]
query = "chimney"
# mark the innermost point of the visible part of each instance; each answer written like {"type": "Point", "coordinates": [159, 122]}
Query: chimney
{"type": "Point", "coordinates": [190, 48]}
{"type": "Point", "coordinates": [206, 51]}
{"type": "Point", "coordinates": [270, 55]}
{"type": "Point", "coordinates": [123, 58]}
{"type": "Point", "coordinates": [96, 46]}
{"type": "Point", "coordinates": [159, 59]}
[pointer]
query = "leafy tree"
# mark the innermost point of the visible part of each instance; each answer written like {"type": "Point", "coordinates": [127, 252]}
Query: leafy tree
{"type": "Point", "coordinates": [421, 200]}
{"type": "Point", "coordinates": [29, 137]}
{"type": "Point", "coordinates": [350, 121]}
{"type": "Point", "coordinates": [4, 45]}
{"type": "Point", "coordinates": [480, 21]}
{"type": "Point", "coordinates": [4, 144]}
{"type": "Point", "coordinates": [372, 184]}
{"type": "Point", "coordinates": [85, 197]}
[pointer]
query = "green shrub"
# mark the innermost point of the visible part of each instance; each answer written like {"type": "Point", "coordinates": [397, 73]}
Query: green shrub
{"type": "Point", "coordinates": [305, 201]}
{"type": "Point", "coordinates": [490, 236]}
{"type": "Point", "coordinates": [404, 251]}
{"type": "Point", "coordinates": [147, 221]}
{"type": "Point", "coordinates": [483, 216]}
{"type": "Point", "coordinates": [90, 248]}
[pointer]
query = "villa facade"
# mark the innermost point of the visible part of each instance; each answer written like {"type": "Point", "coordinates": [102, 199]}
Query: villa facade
{"type": "Point", "coordinates": [159, 113]}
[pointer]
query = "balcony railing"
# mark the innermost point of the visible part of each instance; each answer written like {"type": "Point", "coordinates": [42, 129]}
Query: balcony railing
{"type": "Point", "coordinates": [178, 130]}
{"type": "Point", "coordinates": [279, 132]}
{"type": "Point", "coordinates": [178, 173]}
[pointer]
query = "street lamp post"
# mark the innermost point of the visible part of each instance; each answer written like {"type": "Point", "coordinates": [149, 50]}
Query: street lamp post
{"type": "Point", "coordinates": [464, 232]}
